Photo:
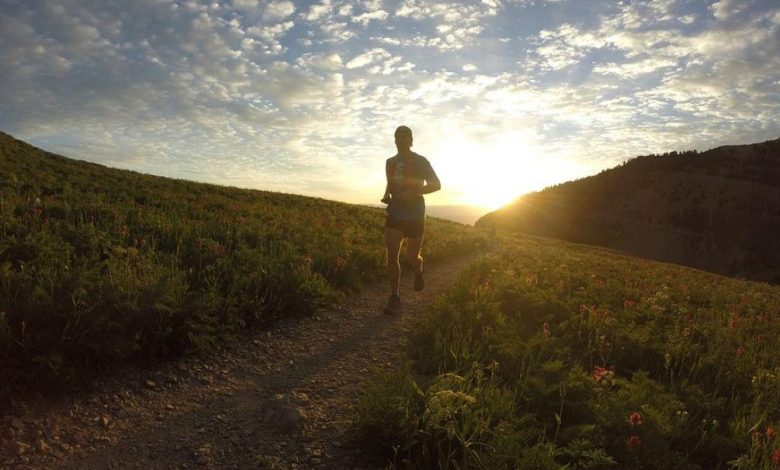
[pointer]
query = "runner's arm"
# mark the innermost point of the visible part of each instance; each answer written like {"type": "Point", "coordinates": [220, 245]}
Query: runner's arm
{"type": "Point", "coordinates": [432, 183]}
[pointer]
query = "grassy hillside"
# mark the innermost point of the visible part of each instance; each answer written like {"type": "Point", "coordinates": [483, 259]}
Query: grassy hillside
{"type": "Point", "coordinates": [718, 210]}
{"type": "Point", "coordinates": [100, 266]}
{"type": "Point", "coordinates": [549, 354]}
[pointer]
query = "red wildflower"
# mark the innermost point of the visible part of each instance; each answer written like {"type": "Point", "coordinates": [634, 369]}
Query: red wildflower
{"type": "Point", "coordinates": [776, 457]}
{"type": "Point", "coordinates": [546, 329]}
{"type": "Point", "coordinates": [770, 432]}
{"type": "Point", "coordinates": [601, 374]}
{"type": "Point", "coordinates": [635, 419]}
{"type": "Point", "coordinates": [733, 323]}
{"type": "Point", "coordinates": [633, 442]}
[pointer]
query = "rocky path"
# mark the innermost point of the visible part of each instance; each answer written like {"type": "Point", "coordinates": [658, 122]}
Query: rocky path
{"type": "Point", "coordinates": [284, 399]}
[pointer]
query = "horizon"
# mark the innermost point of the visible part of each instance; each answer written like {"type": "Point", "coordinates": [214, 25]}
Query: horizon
{"type": "Point", "coordinates": [504, 97]}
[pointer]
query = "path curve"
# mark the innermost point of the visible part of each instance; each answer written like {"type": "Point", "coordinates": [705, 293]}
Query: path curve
{"type": "Point", "coordinates": [236, 409]}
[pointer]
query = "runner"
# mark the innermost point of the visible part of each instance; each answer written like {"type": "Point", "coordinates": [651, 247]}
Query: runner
{"type": "Point", "coordinates": [409, 176]}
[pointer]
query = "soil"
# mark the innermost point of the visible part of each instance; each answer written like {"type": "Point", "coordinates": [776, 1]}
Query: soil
{"type": "Point", "coordinates": [283, 398]}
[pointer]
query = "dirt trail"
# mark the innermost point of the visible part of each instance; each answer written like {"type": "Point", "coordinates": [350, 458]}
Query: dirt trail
{"type": "Point", "coordinates": [284, 399]}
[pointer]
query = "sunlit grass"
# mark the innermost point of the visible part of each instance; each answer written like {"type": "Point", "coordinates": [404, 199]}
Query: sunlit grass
{"type": "Point", "coordinates": [607, 361]}
{"type": "Point", "coordinates": [100, 266]}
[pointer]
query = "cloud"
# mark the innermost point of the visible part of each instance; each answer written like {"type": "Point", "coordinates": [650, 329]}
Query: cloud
{"type": "Point", "coordinates": [267, 95]}
{"type": "Point", "coordinates": [452, 24]}
{"type": "Point", "coordinates": [318, 11]}
{"type": "Point", "coordinates": [277, 11]}
{"type": "Point", "coordinates": [367, 17]}
{"type": "Point", "coordinates": [368, 57]}
{"type": "Point", "coordinates": [246, 5]}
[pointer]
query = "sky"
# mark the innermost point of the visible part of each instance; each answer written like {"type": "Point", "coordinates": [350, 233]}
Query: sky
{"type": "Point", "coordinates": [503, 96]}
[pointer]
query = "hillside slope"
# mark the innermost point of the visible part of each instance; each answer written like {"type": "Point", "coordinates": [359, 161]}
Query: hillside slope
{"type": "Point", "coordinates": [99, 265]}
{"type": "Point", "coordinates": [717, 210]}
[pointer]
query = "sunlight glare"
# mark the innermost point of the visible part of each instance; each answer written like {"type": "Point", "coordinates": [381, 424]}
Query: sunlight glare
{"type": "Point", "coordinates": [491, 174]}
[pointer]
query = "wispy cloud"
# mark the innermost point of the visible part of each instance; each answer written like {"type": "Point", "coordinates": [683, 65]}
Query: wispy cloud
{"type": "Point", "coordinates": [304, 96]}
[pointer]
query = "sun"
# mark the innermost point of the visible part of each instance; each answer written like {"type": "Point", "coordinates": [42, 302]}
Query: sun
{"type": "Point", "coordinates": [493, 172]}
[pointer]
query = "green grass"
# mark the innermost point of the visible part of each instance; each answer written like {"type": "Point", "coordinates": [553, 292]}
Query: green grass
{"type": "Point", "coordinates": [101, 266]}
{"type": "Point", "coordinates": [548, 354]}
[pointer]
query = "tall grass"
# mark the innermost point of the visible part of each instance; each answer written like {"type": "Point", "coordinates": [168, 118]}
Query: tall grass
{"type": "Point", "coordinates": [552, 354]}
{"type": "Point", "coordinates": [100, 266]}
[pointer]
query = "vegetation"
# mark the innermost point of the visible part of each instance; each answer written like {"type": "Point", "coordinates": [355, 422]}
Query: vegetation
{"type": "Point", "coordinates": [714, 210]}
{"type": "Point", "coordinates": [548, 354]}
{"type": "Point", "coordinates": [100, 266]}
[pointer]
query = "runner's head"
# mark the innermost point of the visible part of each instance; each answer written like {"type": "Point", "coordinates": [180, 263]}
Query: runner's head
{"type": "Point", "coordinates": [403, 138]}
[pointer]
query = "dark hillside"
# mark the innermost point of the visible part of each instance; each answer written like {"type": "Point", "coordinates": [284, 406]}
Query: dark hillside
{"type": "Point", "coordinates": [99, 265]}
{"type": "Point", "coordinates": [717, 210]}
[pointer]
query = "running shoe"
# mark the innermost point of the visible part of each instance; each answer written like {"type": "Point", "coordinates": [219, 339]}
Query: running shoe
{"type": "Point", "coordinates": [393, 305]}
{"type": "Point", "coordinates": [419, 282]}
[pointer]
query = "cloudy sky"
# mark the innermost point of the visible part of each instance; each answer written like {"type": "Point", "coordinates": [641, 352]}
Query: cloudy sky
{"type": "Point", "coordinates": [504, 96]}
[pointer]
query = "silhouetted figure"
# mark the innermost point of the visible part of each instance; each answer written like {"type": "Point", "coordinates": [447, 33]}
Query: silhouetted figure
{"type": "Point", "coordinates": [409, 176]}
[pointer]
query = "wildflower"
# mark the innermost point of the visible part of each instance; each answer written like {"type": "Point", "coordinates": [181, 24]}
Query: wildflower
{"type": "Point", "coordinates": [733, 323]}
{"type": "Point", "coordinates": [740, 350]}
{"type": "Point", "coordinates": [635, 419]}
{"type": "Point", "coordinates": [770, 432]}
{"type": "Point", "coordinates": [776, 457]}
{"type": "Point", "coordinates": [546, 329]}
{"type": "Point", "coordinates": [602, 375]}
{"type": "Point", "coordinates": [633, 442]}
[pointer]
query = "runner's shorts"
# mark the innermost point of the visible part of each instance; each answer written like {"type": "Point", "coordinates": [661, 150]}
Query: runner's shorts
{"type": "Point", "coordinates": [410, 228]}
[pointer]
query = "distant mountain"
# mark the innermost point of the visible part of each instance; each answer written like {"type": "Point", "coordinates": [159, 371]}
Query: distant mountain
{"type": "Point", "coordinates": [463, 214]}
{"type": "Point", "coordinates": [717, 210]}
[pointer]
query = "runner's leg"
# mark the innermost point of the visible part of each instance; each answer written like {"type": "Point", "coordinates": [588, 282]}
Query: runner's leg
{"type": "Point", "coordinates": [413, 249]}
{"type": "Point", "coordinates": [393, 239]}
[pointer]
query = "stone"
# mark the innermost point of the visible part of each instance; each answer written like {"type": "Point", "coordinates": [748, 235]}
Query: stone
{"type": "Point", "coordinates": [150, 384]}
{"type": "Point", "coordinates": [104, 421]}
{"type": "Point", "coordinates": [279, 414]}
{"type": "Point", "coordinates": [17, 424]}
{"type": "Point", "coordinates": [21, 448]}
{"type": "Point", "coordinates": [42, 446]}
